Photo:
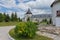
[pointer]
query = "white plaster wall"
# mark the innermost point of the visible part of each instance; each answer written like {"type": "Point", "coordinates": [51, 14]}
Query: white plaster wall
{"type": "Point", "coordinates": [55, 19]}
{"type": "Point", "coordinates": [38, 19]}
{"type": "Point", "coordinates": [27, 15]}
{"type": "Point", "coordinates": [58, 21]}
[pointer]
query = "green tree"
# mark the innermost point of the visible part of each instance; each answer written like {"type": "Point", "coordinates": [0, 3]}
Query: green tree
{"type": "Point", "coordinates": [1, 17]}
{"type": "Point", "coordinates": [4, 16]}
{"type": "Point", "coordinates": [45, 20]}
{"type": "Point", "coordinates": [15, 17]}
{"type": "Point", "coordinates": [19, 19]}
{"type": "Point", "coordinates": [7, 19]}
{"type": "Point", "coordinates": [12, 17]}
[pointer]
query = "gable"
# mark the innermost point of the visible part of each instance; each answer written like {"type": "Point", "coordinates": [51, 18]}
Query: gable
{"type": "Point", "coordinates": [55, 2]}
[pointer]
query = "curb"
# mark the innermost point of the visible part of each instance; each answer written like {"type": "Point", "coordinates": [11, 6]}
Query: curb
{"type": "Point", "coordinates": [10, 37]}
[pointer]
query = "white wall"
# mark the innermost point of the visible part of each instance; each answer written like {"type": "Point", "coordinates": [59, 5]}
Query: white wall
{"type": "Point", "coordinates": [36, 19]}
{"type": "Point", "coordinates": [27, 15]}
{"type": "Point", "coordinates": [55, 19]}
{"type": "Point", "coordinates": [58, 21]}
{"type": "Point", "coordinates": [39, 19]}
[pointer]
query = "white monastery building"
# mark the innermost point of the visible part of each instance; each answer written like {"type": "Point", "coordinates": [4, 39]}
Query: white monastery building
{"type": "Point", "coordinates": [36, 18]}
{"type": "Point", "coordinates": [55, 6]}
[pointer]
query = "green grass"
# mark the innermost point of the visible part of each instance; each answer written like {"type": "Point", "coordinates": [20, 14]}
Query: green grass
{"type": "Point", "coordinates": [11, 32]}
{"type": "Point", "coordinates": [8, 23]}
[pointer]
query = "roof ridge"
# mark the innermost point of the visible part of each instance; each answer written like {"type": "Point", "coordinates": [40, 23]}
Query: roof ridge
{"type": "Point", "coordinates": [56, 1]}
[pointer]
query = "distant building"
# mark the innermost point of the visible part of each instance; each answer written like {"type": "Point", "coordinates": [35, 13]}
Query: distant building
{"type": "Point", "coordinates": [27, 15]}
{"type": "Point", "coordinates": [36, 18]}
{"type": "Point", "coordinates": [56, 12]}
{"type": "Point", "coordinates": [40, 17]}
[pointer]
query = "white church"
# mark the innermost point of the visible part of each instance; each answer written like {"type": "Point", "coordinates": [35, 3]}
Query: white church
{"type": "Point", "coordinates": [55, 6]}
{"type": "Point", "coordinates": [36, 18]}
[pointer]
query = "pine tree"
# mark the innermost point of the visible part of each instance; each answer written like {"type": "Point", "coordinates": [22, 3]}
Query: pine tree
{"type": "Point", "coordinates": [45, 20]}
{"type": "Point", "coordinates": [7, 19]}
{"type": "Point", "coordinates": [19, 19]}
{"type": "Point", "coordinates": [15, 17]}
{"type": "Point", "coordinates": [4, 17]}
{"type": "Point", "coordinates": [1, 17]}
{"type": "Point", "coordinates": [12, 17]}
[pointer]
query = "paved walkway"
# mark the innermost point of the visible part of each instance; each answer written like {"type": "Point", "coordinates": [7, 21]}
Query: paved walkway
{"type": "Point", "coordinates": [4, 32]}
{"type": "Point", "coordinates": [55, 37]}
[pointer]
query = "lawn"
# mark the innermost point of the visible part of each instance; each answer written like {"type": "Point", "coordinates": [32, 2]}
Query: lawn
{"type": "Point", "coordinates": [11, 32]}
{"type": "Point", "coordinates": [8, 23]}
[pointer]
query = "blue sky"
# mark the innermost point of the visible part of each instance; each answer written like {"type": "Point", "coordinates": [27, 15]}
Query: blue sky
{"type": "Point", "coordinates": [21, 6]}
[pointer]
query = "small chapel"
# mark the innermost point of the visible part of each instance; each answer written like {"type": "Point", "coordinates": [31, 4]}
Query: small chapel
{"type": "Point", "coordinates": [55, 6]}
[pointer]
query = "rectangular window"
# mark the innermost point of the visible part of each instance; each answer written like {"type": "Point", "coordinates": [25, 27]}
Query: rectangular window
{"type": "Point", "coordinates": [58, 13]}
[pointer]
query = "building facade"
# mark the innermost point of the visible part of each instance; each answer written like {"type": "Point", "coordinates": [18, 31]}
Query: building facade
{"type": "Point", "coordinates": [40, 17]}
{"type": "Point", "coordinates": [27, 15]}
{"type": "Point", "coordinates": [56, 12]}
{"type": "Point", "coordinates": [36, 18]}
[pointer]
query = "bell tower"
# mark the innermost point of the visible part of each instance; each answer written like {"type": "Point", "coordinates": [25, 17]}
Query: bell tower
{"type": "Point", "coordinates": [28, 15]}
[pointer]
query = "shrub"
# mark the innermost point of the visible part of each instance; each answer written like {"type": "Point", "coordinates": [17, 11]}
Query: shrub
{"type": "Point", "coordinates": [25, 29]}
{"type": "Point", "coordinates": [36, 23]}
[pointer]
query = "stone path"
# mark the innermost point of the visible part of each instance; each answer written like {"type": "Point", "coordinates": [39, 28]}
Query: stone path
{"type": "Point", "coordinates": [55, 37]}
{"type": "Point", "coordinates": [4, 32]}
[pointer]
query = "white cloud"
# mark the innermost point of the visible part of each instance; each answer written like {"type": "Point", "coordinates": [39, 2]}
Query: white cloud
{"type": "Point", "coordinates": [35, 4]}
{"type": "Point", "coordinates": [24, 0]}
{"type": "Point", "coordinates": [24, 6]}
{"type": "Point", "coordinates": [39, 3]}
{"type": "Point", "coordinates": [38, 11]}
{"type": "Point", "coordinates": [8, 3]}
{"type": "Point", "coordinates": [21, 14]}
